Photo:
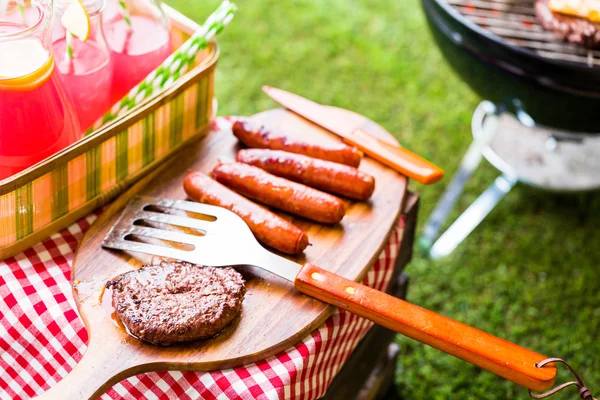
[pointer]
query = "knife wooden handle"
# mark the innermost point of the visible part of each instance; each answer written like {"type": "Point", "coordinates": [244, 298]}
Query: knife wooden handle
{"type": "Point", "coordinates": [499, 356]}
{"type": "Point", "coordinates": [396, 157]}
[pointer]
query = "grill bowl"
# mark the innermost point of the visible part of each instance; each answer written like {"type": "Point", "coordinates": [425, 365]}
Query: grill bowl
{"type": "Point", "coordinates": [558, 84]}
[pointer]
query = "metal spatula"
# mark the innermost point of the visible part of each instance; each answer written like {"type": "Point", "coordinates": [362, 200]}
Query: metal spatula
{"type": "Point", "coordinates": [213, 236]}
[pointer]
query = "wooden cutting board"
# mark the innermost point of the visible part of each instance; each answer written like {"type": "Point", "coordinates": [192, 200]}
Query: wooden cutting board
{"type": "Point", "coordinates": [274, 316]}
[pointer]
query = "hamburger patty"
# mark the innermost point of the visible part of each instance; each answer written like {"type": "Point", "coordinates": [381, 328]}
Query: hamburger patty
{"type": "Point", "coordinates": [176, 301]}
{"type": "Point", "coordinates": [566, 27]}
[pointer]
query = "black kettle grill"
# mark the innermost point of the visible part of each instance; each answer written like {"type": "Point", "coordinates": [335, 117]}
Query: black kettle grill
{"type": "Point", "coordinates": [540, 122]}
{"type": "Point", "coordinates": [502, 52]}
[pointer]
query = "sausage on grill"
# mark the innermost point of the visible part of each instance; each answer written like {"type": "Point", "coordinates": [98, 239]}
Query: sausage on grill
{"type": "Point", "coordinates": [574, 29]}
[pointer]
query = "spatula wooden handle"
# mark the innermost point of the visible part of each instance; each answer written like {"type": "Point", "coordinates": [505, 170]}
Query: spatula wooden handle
{"type": "Point", "coordinates": [497, 355]}
{"type": "Point", "coordinates": [396, 157]}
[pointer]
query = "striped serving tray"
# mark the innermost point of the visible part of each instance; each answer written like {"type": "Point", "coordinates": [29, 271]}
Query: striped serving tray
{"type": "Point", "coordinates": [61, 189]}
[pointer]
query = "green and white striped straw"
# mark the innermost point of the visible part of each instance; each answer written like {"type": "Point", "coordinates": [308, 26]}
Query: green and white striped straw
{"type": "Point", "coordinates": [174, 66]}
{"type": "Point", "coordinates": [21, 6]}
{"type": "Point", "coordinates": [125, 13]}
{"type": "Point", "coordinates": [69, 45]}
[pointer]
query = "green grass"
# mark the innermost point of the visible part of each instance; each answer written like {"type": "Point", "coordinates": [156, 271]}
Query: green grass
{"type": "Point", "coordinates": [528, 274]}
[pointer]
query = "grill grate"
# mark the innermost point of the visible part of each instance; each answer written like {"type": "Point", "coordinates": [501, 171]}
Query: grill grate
{"type": "Point", "coordinates": [515, 22]}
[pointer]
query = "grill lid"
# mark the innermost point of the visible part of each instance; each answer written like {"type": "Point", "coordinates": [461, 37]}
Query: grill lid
{"type": "Point", "coordinates": [515, 22]}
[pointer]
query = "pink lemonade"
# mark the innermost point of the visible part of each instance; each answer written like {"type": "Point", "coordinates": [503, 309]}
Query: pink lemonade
{"type": "Point", "coordinates": [86, 78]}
{"type": "Point", "coordinates": [36, 116]}
{"type": "Point", "coordinates": [135, 52]}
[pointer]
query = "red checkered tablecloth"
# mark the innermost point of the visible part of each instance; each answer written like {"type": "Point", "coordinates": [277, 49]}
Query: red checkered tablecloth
{"type": "Point", "coordinates": [42, 337]}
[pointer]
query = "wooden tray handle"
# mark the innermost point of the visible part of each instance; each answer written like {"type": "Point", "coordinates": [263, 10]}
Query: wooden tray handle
{"type": "Point", "coordinates": [91, 377]}
{"type": "Point", "coordinates": [499, 356]}
{"type": "Point", "coordinates": [398, 158]}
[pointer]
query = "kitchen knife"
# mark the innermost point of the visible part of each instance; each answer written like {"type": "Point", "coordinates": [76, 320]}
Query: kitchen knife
{"type": "Point", "coordinates": [395, 157]}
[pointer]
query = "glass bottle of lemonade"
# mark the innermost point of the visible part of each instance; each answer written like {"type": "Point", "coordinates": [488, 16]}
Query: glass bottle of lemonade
{"type": "Point", "coordinates": [137, 32]}
{"type": "Point", "coordinates": [36, 115]}
{"type": "Point", "coordinates": [86, 70]}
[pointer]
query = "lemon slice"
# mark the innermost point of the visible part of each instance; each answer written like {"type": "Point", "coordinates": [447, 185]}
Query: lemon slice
{"type": "Point", "coordinates": [26, 65]}
{"type": "Point", "coordinates": [76, 20]}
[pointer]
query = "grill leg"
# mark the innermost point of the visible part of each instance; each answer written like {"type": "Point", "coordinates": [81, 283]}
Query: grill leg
{"type": "Point", "coordinates": [468, 221]}
{"type": "Point", "coordinates": [484, 128]}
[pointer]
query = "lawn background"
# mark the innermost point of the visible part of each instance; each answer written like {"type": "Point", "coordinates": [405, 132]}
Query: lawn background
{"type": "Point", "coordinates": [528, 274]}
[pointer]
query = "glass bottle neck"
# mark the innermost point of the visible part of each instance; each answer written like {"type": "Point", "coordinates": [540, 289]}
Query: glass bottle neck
{"type": "Point", "coordinates": [73, 55]}
{"type": "Point", "coordinates": [93, 7]}
{"type": "Point", "coordinates": [149, 8]}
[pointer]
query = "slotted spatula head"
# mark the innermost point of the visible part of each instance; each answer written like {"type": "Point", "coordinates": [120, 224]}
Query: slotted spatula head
{"type": "Point", "coordinates": [198, 233]}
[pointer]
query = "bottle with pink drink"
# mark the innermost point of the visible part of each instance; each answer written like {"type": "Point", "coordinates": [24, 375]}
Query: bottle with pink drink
{"type": "Point", "coordinates": [137, 32]}
{"type": "Point", "coordinates": [37, 118]}
{"type": "Point", "coordinates": [85, 66]}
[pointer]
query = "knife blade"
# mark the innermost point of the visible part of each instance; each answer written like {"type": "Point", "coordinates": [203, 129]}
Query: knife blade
{"type": "Point", "coordinates": [395, 157]}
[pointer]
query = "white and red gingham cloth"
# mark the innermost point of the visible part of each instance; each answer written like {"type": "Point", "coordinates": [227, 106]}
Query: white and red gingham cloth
{"type": "Point", "coordinates": [42, 337]}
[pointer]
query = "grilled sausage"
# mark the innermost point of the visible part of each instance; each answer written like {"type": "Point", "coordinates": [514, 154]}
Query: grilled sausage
{"type": "Point", "coordinates": [268, 228]}
{"type": "Point", "coordinates": [325, 175]}
{"type": "Point", "coordinates": [255, 135]}
{"type": "Point", "coordinates": [280, 193]}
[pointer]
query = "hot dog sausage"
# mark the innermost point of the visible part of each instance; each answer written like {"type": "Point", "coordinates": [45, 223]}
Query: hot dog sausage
{"type": "Point", "coordinates": [280, 193]}
{"type": "Point", "coordinates": [325, 175]}
{"type": "Point", "coordinates": [255, 135]}
{"type": "Point", "coordinates": [268, 228]}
